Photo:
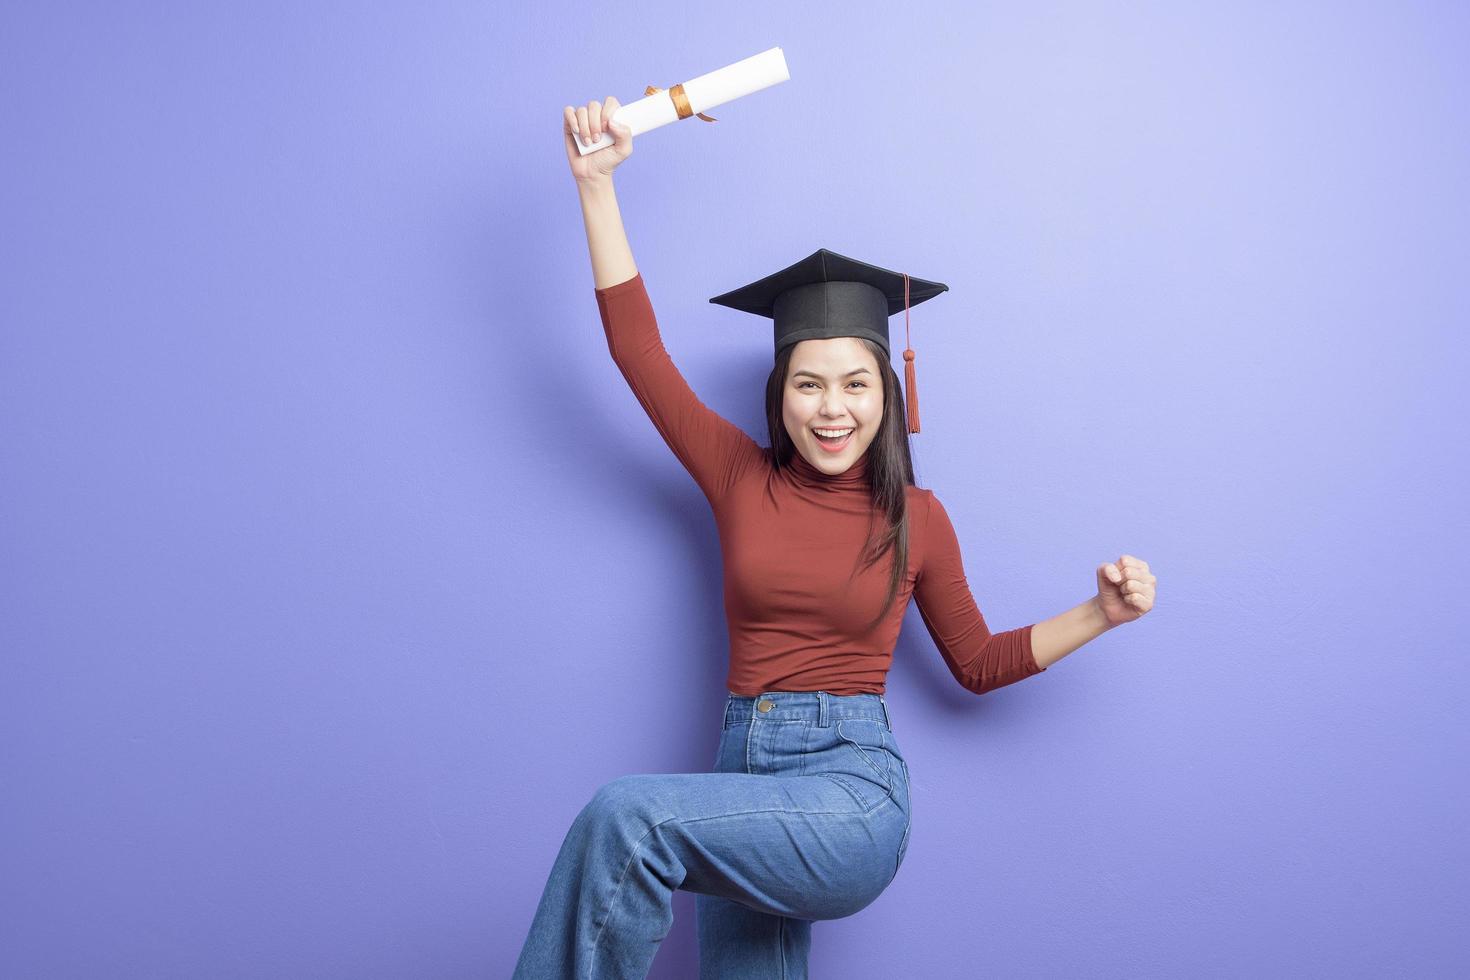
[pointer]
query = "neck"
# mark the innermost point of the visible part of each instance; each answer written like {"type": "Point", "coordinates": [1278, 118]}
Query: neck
{"type": "Point", "coordinates": [854, 477]}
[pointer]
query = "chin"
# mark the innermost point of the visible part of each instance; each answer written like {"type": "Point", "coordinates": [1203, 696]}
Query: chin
{"type": "Point", "coordinates": [834, 461]}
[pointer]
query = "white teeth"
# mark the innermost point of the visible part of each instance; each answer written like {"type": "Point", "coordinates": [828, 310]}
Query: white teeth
{"type": "Point", "coordinates": [834, 433]}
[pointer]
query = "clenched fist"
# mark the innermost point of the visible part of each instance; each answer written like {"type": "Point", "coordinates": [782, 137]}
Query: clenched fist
{"type": "Point", "coordinates": [1125, 589]}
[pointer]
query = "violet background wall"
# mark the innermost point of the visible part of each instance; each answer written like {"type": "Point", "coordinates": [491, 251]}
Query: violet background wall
{"type": "Point", "coordinates": [340, 565]}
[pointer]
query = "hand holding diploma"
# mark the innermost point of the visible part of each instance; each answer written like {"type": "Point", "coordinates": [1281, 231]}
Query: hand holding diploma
{"type": "Point", "coordinates": [663, 106]}
{"type": "Point", "coordinates": [587, 123]}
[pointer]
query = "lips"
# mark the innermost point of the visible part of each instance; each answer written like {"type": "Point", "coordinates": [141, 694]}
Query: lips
{"type": "Point", "coordinates": [834, 445]}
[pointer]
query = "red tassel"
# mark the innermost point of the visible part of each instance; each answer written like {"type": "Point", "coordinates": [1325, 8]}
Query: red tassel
{"type": "Point", "coordinates": [910, 388]}
{"type": "Point", "coordinates": [913, 392]}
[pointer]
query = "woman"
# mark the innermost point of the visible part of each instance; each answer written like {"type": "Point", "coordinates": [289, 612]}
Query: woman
{"type": "Point", "coordinates": [806, 815]}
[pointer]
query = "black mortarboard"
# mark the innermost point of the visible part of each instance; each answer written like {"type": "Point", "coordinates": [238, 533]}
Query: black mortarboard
{"type": "Point", "coordinates": [831, 295]}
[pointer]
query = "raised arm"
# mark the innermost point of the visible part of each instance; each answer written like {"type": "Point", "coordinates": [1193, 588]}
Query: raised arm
{"type": "Point", "coordinates": [715, 451]}
{"type": "Point", "coordinates": [980, 660]}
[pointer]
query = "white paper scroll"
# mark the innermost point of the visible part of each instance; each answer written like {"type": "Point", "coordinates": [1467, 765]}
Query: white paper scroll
{"type": "Point", "coordinates": [705, 92]}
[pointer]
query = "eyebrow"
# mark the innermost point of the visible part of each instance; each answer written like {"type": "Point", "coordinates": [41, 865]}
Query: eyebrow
{"type": "Point", "coordinates": [813, 374]}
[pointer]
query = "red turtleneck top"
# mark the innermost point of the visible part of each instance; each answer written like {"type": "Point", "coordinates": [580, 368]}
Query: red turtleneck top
{"type": "Point", "coordinates": [790, 539]}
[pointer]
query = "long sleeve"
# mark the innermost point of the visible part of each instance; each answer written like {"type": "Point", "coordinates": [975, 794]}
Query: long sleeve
{"type": "Point", "coordinates": [715, 451]}
{"type": "Point", "coordinates": [980, 661]}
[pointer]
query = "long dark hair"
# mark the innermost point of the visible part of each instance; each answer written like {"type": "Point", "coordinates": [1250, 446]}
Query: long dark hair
{"type": "Point", "coordinates": [890, 467]}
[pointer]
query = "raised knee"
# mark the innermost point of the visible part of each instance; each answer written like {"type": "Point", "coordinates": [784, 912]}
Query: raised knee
{"type": "Point", "coordinates": [624, 800]}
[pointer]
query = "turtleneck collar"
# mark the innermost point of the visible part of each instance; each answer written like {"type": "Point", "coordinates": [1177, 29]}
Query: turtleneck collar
{"type": "Point", "coordinates": [855, 477]}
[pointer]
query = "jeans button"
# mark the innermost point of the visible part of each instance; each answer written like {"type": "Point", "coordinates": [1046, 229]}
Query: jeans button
{"type": "Point", "coordinates": [765, 705]}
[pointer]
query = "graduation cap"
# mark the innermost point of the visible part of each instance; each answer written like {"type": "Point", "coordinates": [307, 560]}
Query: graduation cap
{"type": "Point", "coordinates": [831, 295]}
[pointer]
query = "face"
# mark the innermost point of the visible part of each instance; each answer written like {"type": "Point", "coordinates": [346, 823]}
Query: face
{"type": "Point", "coordinates": [832, 384]}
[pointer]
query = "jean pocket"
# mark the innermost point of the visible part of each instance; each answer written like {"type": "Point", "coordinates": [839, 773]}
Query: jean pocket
{"type": "Point", "coordinates": [868, 739]}
{"type": "Point", "coordinates": [903, 769]}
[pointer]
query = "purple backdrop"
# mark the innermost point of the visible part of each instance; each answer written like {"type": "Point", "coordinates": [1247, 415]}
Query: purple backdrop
{"type": "Point", "coordinates": [340, 565]}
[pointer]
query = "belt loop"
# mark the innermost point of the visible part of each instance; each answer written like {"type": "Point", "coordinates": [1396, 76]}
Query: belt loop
{"type": "Point", "coordinates": [726, 720]}
{"type": "Point", "coordinates": [821, 709]}
{"type": "Point", "coordinates": [885, 712]}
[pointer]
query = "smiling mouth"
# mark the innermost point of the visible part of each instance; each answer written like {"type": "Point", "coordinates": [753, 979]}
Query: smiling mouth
{"type": "Point", "coordinates": [833, 443]}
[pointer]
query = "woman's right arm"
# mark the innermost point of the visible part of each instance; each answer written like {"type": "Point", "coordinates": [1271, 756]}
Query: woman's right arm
{"type": "Point", "coordinates": [715, 451]}
{"type": "Point", "coordinates": [612, 259]}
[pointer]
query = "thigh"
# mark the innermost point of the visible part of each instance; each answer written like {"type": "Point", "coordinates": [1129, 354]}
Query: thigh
{"type": "Point", "coordinates": [800, 846]}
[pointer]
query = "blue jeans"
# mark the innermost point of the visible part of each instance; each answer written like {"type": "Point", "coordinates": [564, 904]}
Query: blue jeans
{"type": "Point", "coordinates": [805, 817]}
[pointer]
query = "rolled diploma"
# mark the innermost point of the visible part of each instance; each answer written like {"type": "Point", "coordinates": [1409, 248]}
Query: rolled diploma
{"type": "Point", "coordinates": [705, 92]}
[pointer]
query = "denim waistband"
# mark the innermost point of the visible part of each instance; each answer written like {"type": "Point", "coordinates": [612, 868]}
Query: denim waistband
{"type": "Point", "coordinates": [818, 707]}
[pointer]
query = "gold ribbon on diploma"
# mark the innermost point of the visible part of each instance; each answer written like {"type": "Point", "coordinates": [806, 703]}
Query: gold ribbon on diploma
{"type": "Point", "coordinates": [680, 100]}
